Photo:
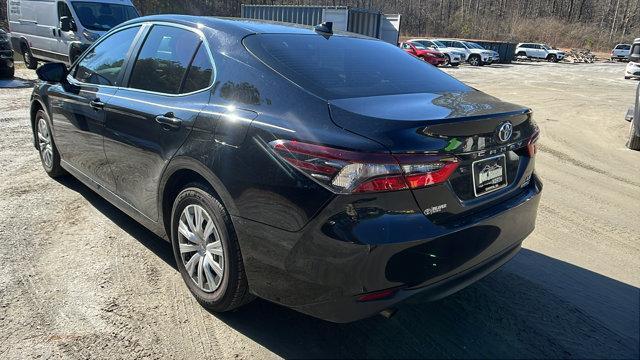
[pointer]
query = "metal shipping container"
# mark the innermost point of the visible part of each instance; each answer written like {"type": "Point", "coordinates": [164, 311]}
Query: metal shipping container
{"type": "Point", "coordinates": [344, 18]}
{"type": "Point", "coordinates": [505, 49]}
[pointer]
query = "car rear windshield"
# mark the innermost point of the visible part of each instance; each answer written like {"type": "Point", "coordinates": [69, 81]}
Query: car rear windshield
{"type": "Point", "coordinates": [348, 67]}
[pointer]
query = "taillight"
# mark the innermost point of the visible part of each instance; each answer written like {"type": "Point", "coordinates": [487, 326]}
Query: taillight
{"type": "Point", "coordinates": [531, 145]}
{"type": "Point", "coordinates": [343, 171]}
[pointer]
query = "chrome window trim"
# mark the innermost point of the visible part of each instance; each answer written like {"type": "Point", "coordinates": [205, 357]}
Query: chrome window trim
{"type": "Point", "coordinates": [198, 32]}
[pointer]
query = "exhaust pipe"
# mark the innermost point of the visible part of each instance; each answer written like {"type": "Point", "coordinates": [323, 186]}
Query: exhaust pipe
{"type": "Point", "coordinates": [388, 312]}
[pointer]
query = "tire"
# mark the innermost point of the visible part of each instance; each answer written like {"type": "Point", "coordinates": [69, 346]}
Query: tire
{"type": "Point", "coordinates": [474, 60]}
{"type": "Point", "coordinates": [521, 54]}
{"type": "Point", "coordinates": [634, 137]}
{"type": "Point", "coordinates": [29, 61]}
{"type": "Point", "coordinates": [231, 290]}
{"type": "Point", "coordinates": [447, 60]}
{"type": "Point", "coordinates": [454, 64]}
{"type": "Point", "coordinates": [8, 73]}
{"type": "Point", "coordinates": [627, 77]}
{"type": "Point", "coordinates": [46, 146]}
{"type": "Point", "coordinates": [552, 58]}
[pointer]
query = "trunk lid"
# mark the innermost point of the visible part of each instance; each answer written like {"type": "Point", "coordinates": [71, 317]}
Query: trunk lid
{"type": "Point", "coordinates": [463, 124]}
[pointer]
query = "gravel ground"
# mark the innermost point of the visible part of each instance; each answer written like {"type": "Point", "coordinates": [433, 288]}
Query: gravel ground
{"type": "Point", "coordinates": [79, 279]}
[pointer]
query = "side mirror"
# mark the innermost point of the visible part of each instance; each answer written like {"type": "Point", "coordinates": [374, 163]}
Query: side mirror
{"type": "Point", "coordinates": [52, 72]}
{"type": "Point", "coordinates": [67, 24]}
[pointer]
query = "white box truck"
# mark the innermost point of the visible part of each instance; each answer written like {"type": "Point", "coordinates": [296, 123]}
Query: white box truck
{"type": "Point", "coordinates": [60, 30]}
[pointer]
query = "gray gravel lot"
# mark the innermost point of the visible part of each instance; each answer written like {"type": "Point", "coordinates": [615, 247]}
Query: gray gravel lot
{"type": "Point", "coordinates": [79, 279]}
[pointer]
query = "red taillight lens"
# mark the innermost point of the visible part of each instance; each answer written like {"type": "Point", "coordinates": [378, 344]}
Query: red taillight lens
{"type": "Point", "coordinates": [532, 149]}
{"type": "Point", "coordinates": [378, 295]}
{"type": "Point", "coordinates": [344, 171]}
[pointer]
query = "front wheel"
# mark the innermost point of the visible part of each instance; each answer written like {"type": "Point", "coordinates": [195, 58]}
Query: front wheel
{"type": "Point", "coordinates": [553, 58]}
{"type": "Point", "coordinates": [49, 155]}
{"type": "Point", "coordinates": [207, 251]}
{"type": "Point", "coordinates": [474, 60]}
{"type": "Point", "coordinates": [447, 60]}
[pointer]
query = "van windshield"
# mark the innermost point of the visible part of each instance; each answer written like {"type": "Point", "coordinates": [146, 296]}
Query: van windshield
{"type": "Point", "coordinates": [341, 67]}
{"type": "Point", "coordinates": [102, 16]}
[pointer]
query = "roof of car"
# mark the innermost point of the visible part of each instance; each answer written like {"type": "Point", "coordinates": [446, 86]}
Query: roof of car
{"type": "Point", "coordinates": [236, 26]}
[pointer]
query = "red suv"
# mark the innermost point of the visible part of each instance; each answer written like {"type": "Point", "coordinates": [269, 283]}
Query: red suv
{"type": "Point", "coordinates": [433, 57]}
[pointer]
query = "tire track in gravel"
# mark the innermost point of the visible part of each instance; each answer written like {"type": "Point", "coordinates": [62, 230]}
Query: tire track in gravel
{"type": "Point", "coordinates": [581, 164]}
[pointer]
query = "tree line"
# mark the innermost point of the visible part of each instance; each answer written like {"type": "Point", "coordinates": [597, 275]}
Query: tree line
{"type": "Point", "coordinates": [593, 24]}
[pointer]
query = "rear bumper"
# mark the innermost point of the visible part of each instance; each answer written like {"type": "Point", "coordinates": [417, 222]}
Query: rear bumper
{"type": "Point", "coordinates": [323, 269]}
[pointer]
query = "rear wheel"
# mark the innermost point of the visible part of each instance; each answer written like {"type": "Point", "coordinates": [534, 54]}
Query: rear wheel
{"type": "Point", "coordinates": [634, 137]}
{"type": "Point", "coordinates": [207, 251]}
{"type": "Point", "coordinates": [46, 146]}
{"type": "Point", "coordinates": [8, 73]}
{"type": "Point", "coordinates": [454, 64]}
{"type": "Point", "coordinates": [474, 60]}
{"type": "Point", "coordinates": [29, 61]}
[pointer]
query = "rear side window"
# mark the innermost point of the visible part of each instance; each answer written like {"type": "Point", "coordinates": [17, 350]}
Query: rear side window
{"type": "Point", "coordinates": [103, 64]}
{"type": "Point", "coordinates": [163, 60]}
{"type": "Point", "coordinates": [347, 67]}
{"type": "Point", "coordinates": [200, 73]}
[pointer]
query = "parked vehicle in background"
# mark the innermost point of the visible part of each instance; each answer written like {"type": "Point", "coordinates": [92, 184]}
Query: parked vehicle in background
{"type": "Point", "coordinates": [7, 69]}
{"type": "Point", "coordinates": [337, 180]}
{"type": "Point", "coordinates": [621, 52]}
{"type": "Point", "coordinates": [539, 51]}
{"type": "Point", "coordinates": [494, 54]}
{"type": "Point", "coordinates": [453, 56]}
{"type": "Point", "coordinates": [474, 56]}
{"type": "Point", "coordinates": [633, 67]}
{"type": "Point", "coordinates": [633, 116]}
{"type": "Point", "coordinates": [431, 56]}
{"type": "Point", "coordinates": [62, 30]}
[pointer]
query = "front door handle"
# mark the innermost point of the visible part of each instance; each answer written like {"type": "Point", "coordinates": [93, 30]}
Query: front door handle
{"type": "Point", "coordinates": [169, 120]}
{"type": "Point", "coordinates": [96, 104]}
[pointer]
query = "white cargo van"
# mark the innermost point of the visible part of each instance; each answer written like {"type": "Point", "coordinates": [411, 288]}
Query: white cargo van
{"type": "Point", "coordinates": [59, 30]}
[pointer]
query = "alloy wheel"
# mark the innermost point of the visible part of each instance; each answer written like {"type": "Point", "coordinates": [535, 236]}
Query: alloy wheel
{"type": "Point", "coordinates": [474, 61]}
{"type": "Point", "coordinates": [201, 248]}
{"type": "Point", "coordinates": [44, 142]}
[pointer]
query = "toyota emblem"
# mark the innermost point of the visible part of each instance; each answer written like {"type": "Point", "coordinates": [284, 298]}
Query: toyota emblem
{"type": "Point", "coordinates": [505, 131]}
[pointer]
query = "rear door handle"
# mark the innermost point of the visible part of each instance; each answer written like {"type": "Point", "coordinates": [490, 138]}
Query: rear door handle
{"type": "Point", "coordinates": [96, 104]}
{"type": "Point", "coordinates": [169, 120]}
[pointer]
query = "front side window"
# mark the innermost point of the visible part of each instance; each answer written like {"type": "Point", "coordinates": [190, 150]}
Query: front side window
{"type": "Point", "coordinates": [103, 64]}
{"type": "Point", "coordinates": [459, 45]}
{"type": "Point", "coordinates": [163, 60]}
{"type": "Point", "coordinates": [63, 10]}
{"type": "Point", "coordinates": [98, 16]}
{"type": "Point", "coordinates": [346, 67]}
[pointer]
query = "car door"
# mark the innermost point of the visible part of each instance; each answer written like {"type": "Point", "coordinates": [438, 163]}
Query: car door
{"type": "Point", "coordinates": [168, 84]}
{"type": "Point", "coordinates": [78, 110]}
{"type": "Point", "coordinates": [64, 37]}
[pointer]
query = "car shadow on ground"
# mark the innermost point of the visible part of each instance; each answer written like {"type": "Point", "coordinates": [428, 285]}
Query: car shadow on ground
{"type": "Point", "coordinates": [533, 307]}
{"type": "Point", "coordinates": [16, 83]}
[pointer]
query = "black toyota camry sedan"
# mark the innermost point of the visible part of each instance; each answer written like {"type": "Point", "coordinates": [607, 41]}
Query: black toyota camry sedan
{"type": "Point", "coordinates": [327, 172]}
